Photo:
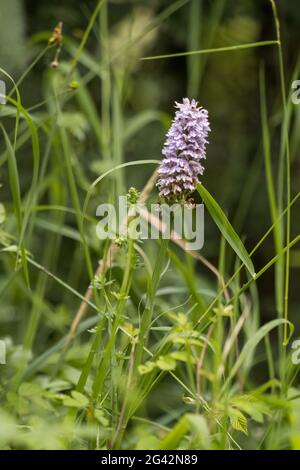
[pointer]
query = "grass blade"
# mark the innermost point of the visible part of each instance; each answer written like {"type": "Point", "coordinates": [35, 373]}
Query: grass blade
{"type": "Point", "coordinates": [253, 342]}
{"type": "Point", "coordinates": [238, 47]}
{"type": "Point", "coordinates": [16, 195]}
{"type": "Point", "coordinates": [226, 228]}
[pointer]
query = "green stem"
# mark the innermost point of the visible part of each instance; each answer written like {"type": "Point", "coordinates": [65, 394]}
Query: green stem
{"type": "Point", "coordinates": [103, 366]}
{"type": "Point", "coordinates": [148, 312]}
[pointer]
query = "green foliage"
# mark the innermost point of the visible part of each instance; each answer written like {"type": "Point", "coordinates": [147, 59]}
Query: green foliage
{"type": "Point", "coordinates": [139, 344]}
{"type": "Point", "coordinates": [226, 228]}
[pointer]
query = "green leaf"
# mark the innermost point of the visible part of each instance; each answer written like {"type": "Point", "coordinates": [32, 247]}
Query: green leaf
{"type": "Point", "coordinates": [238, 421]}
{"type": "Point", "coordinates": [146, 368]}
{"type": "Point", "coordinates": [250, 405]}
{"type": "Point", "coordinates": [183, 356]}
{"type": "Point", "coordinates": [189, 423]}
{"type": "Point", "coordinates": [147, 442]}
{"type": "Point", "coordinates": [68, 401]}
{"type": "Point", "coordinates": [100, 417]}
{"type": "Point", "coordinates": [78, 400]}
{"type": "Point", "coordinates": [198, 425]}
{"type": "Point", "coordinates": [252, 343]}
{"type": "Point", "coordinates": [224, 311]}
{"type": "Point", "coordinates": [166, 363]}
{"type": "Point", "coordinates": [28, 389]}
{"type": "Point", "coordinates": [10, 249]}
{"type": "Point", "coordinates": [226, 228]}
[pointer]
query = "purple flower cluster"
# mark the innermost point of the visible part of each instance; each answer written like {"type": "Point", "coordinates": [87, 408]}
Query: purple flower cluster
{"type": "Point", "coordinates": [183, 150]}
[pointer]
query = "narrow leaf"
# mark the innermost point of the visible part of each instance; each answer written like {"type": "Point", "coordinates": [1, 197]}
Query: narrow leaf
{"type": "Point", "coordinates": [226, 228]}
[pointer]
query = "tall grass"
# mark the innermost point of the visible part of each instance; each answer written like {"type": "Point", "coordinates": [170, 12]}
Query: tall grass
{"type": "Point", "coordinates": [131, 345]}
